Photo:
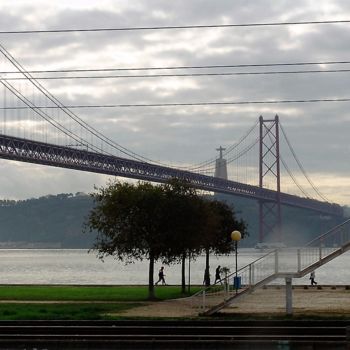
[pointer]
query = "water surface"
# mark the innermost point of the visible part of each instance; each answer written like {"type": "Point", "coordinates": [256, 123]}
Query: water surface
{"type": "Point", "coordinates": [77, 266]}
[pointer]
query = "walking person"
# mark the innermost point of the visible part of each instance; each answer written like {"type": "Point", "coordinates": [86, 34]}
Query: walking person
{"type": "Point", "coordinates": [161, 276]}
{"type": "Point", "coordinates": [217, 274]}
{"type": "Point", "coordinates": [312, 278]}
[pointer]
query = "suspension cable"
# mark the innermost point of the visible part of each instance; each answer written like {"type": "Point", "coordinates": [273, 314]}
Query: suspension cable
{"type": "Point", "coordinates": [69, 113]}
{"type": "Point", "coordinates": [45, 116]}
{"type": "Point", "coordinates": [238, 156]}
{"type": "Point", "coordinates": [301, 167]}
{"type": "Point", "coordinates": [294, 179]}
{"type": "Point", "coordinates": [226, 152]}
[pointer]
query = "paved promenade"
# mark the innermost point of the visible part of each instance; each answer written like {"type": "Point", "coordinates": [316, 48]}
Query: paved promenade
{"type": "Point", "coordinates": [317, 301]}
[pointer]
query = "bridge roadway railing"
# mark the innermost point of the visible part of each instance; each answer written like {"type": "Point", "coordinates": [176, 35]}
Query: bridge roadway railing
{"type": "Point", "coordinates": [278, 263]}
{"type": "Point", "coordinates": [25, 150]}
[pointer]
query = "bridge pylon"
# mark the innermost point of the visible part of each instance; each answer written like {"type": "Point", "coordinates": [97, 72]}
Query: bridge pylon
{"type": "Point", "coordinates": [269, 168]}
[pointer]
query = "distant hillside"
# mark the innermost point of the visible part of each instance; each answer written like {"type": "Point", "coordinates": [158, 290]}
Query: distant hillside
{"type": "Point", "coordinates": [50, 221]}
{"type": "Point", "coordinates": [299, 225]}
{"type": "Point", "coordinates": [56, 221]}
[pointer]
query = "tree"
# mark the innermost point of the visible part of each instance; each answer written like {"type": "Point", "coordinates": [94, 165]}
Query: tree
{"type": "Point", "coordinates": [131, 222]}
{"type": "Point", "coordinates": [165, 222]}
{"type": "Point", "coordinates": [220, 222]}
{"type": "Point", "coordinates": [185, 210]}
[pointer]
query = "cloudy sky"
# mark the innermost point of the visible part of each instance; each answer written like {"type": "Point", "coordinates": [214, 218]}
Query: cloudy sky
{"type": "Point", "coordinates": [188, 134]}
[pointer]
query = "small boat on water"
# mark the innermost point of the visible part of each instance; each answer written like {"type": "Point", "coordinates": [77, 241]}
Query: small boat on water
{"type": "Point", "coordinates": [270, 245]}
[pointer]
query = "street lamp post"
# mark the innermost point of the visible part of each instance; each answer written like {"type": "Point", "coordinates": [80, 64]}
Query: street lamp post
{"type": "Point", "coordinates": [236, 236]}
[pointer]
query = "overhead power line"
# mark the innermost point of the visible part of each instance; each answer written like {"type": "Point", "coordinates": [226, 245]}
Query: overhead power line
{"type": "Point", "coordinates": [63, 108]}
{"type": "Point", "coordinates": [180, 67]}
{"type": "Point", "coordinates": [182, 75]}
{"type": "Point", "coordinates": [194, 104]}
{"type": "Point", "coordinates": [122, 29]}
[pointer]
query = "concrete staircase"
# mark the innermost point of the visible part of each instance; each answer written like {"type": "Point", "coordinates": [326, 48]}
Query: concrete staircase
{"type": "Point", "coordinates": [287, 263]}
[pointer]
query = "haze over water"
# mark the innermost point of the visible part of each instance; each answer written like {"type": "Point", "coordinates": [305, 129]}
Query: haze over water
{"type": "Point", "coordinates": [77, 266]}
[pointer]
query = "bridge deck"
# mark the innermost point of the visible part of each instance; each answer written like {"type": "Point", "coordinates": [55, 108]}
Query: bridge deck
{"type": "Point", "coordinates": [24, 150]}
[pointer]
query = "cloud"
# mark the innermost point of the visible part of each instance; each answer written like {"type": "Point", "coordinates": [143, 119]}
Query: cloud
{"type": "Point", "coordinates": [185, 135]}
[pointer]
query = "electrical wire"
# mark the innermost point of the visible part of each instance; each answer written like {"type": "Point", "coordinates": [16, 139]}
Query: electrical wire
{"type": "Point", "coordinates": [69, 113]}
{"type": "Point", "coordinates": [50, 120]}
{"type": "Point", "coordinates": [194, 104]}
{"type": "Point", "coordinates": [58, 105]}
{"type": "Point", "coordinates": [180, 67]}
{"type": "Point", "coordinates": [121, 29]}
{"type": "Point", "coordinates": [182, 75]}
{"type": "Point", "coordinates": [243, 152]}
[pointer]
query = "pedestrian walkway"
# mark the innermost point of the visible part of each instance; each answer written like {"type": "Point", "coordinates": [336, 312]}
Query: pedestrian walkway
{"type": "Point", "coordinates": [322, 301]}
{"type": "Point", "coordinates": [283, 263]}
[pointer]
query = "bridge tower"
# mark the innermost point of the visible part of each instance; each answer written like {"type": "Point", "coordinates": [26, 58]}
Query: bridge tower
{"type": "Point", "coordinates": [221, 165]}
{"type": "Point", "coordinates": [269, 168]}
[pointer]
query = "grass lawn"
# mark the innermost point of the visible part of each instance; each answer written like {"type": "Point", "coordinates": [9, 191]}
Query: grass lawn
{"type": "Point", "coordinates": [88, 293]}
{"type": "Point", "coordinates": [99, 301]}
{"type": "Point", "coordinates": [65, 311]}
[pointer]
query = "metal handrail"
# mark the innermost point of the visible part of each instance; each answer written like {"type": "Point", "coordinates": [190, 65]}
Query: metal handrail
{"type": "Point", "coordinates": [321, 256]}
{"type": "Point", "coordinates": [327, 233]}
{"type": "Point", "coordinates": [252, 263]}
{"type": "Point", "coordinates": [234, 273]}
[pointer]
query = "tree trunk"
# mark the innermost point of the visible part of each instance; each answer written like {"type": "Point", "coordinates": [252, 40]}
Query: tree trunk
{"type": "Point", "coordinates": [183, 282]}
{"type": "Point", "coordinates": [207, 272]}
{"type": "Point", "coordinates": [151, 294]}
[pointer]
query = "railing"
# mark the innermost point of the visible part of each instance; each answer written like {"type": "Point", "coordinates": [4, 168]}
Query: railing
{"type": "Point", "coordinates": [247, 277]}
{"type": "Point", "coordinates": [286, 262]}
{"type": "Point", "coordinates": [323, 247]}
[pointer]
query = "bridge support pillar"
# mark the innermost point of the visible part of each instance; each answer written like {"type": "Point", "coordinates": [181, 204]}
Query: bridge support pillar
{"type": "Point", "coordinates": [269, 169]}
{"type": "Point", "coordinates": [289, 296]}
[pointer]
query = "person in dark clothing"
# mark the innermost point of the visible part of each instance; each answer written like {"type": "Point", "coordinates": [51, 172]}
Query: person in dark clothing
{"type": "Point", "coordinates": [312, 278]}
{"type": "Point", "coordinates": [217, 274]}
{"type": "Point", "coordinates": [161, 276]}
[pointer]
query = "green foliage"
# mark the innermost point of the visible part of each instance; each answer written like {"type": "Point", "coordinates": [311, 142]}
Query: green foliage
{"type": "Point", "coordinates": [221, 221]}
{"type": "Point", "coordinates": [185, 218]}
{"type": "Point", "coordinates": [129, 220]}
{"type": "Point", "coordinates": [164, 222]}
{"type": "Point", "coordinates": [142, 221]}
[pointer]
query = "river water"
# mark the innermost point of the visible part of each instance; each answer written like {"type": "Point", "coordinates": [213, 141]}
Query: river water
{"type": "Point", "coordinates": [77, 266]}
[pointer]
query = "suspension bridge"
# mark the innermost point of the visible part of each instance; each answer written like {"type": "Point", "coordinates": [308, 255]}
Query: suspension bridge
{"type": "Point", "coordinates": [38, 128]}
